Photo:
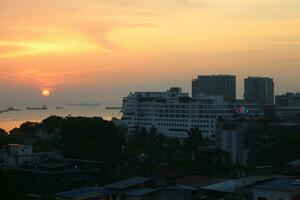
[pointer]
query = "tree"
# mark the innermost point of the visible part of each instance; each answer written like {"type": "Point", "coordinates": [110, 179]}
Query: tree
{"type": "Point", "coordinates": [52, 123]}
{"type": "Point", "coordinates": [91, 138]}
{"type": "Point", "coordinates": [27, 129]}
{"type": "Point", "coordinates": [3, 132]}
{"type": "Point", "coordinates": [193, 142]}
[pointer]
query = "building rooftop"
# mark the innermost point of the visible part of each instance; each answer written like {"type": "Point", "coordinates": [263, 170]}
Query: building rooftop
{"type": "Point", "coordinates": [61, 166]}
{"type": "Point", "coordinates": [286, 184]}
{"type": "Point", "coordinates": [167, 174]}
{"type": "Point", "coordinates": [197, 181]}
{"type": "Point", "coordinates": [54, 165]}
{"type": "Point", "coordinates": [181, 187]}
{"type": "Point", "coordinates": [216, 75]}
{"type": "Point", "coordinates": [294, 163]}
{"type": "Point", "coordinates": [81, 192]}
{"type": "Point", "coordinates": [16, 145]}
{"type": "Point", "coordinates": [142, 191]}
{"type": "Point", "coordinates": [128, 183]}
{"type": "Point", "coordinates": [231, 186]}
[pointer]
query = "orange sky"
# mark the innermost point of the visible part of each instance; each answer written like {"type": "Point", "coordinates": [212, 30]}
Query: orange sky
{"type": "Point", "coordinates": [88, 48]}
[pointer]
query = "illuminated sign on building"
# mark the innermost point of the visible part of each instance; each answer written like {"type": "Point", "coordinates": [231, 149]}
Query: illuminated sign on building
{"type": "Point", "coordinates": [242, 110]}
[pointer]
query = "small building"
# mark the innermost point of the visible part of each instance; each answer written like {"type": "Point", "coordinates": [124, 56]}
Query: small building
{"type": "Point", "coordinates": [85, 193]}
{"type": "Point", "coordinates": [284, 188]}
{"type": "Point", "coordinates": [19, 155]}
{"type": "Point", "coordinates": [16, 155]}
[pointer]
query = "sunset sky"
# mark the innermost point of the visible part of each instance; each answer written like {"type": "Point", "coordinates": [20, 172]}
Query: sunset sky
{"type": "Point", "coordinates": [99, 50]}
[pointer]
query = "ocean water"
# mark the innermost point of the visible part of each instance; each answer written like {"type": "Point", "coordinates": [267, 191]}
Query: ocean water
{"type": "Point", "coordinates": [12, 119]}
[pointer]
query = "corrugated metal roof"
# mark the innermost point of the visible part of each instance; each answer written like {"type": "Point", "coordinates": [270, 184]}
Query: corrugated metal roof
{"type": "Point", "coordinates": [287, 184]}
{"type": "Point", "coordinates": [181, 187]}
{"type": "Point", "coordinates": [294, 163]}
{"type": "Point", "coordinates": [231, 185]}
{"type": "Point", "coordinates": [81, 192]}
{"type": "Point", "coordinates": [128, 183]}
{"type": "Point", "coordinates": [142, 191]}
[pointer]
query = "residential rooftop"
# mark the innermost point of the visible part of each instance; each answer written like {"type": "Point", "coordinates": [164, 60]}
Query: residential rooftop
{"type": "Point", "coordinates": [81, 192]}
{"type": "Point", "coordinates": [283, 184]}
{"type": "Point", "coordinates": [231, 186]}
{"type": "Point", "coordinates": [128, 183]}
{"type": "Point", "coordinates": [197, 181]}
{"type": "Point", "coordinates": [142, 191]}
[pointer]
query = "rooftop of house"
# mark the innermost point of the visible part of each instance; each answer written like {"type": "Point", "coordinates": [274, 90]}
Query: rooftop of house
{"type": "Point", "coordinates": [167, 174]}
{"type": "Point", "coordinates": [81, 192]}
{"type": "Point", "coordinates": [181, 187]}
{"type": "Point", "coordinates": [282, 184]}
{"type": "Point", "coordinates": [142, 191]}
{"type": "Point", "coordinates": [294, 163]}
{"type": "Point", "coordinates": [128, 183]}
{"type": "Point", "coordinates": [60, 166]}
{"type": "Point", "coordinates": [231, 186]}
{"type": "Point", "coordinates": [197, 181]}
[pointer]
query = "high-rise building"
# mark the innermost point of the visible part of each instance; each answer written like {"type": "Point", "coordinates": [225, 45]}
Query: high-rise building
{"type": "Point", "coordinates": [220, 85]}
{"type": "Point", "coordinates": [259, 90]}
{"type": "Point", "coordinates": [174, 113]}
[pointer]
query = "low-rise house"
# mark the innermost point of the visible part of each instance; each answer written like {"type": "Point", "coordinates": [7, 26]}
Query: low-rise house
{"type": "Point", "coordinates": [18, 155]}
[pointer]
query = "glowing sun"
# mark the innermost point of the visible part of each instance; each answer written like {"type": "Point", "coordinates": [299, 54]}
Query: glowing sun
{"type": "Point", "coordinates": [45, 93]}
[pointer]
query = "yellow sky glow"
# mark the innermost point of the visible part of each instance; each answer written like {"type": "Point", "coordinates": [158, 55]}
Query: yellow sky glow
{"type": "Point", "coordinates": [53, 43]}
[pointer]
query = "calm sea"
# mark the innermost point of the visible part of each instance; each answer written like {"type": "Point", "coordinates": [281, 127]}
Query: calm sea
{"type": "Point", "coordinates": [12, 119]}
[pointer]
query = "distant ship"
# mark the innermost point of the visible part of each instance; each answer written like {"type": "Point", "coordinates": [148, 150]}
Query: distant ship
{"type": "Point", "coordinates": [44, 107]}
{"type": "Point", "coordinates": [82, 104]}
{"type": "Point", "coordinates": [60, 107]}
{"type": "Point", "coordinates": [113, 108]}
{"type": "Point", "coordinates": [12, 109]}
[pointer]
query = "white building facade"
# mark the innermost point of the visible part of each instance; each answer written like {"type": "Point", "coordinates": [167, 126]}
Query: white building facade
{"type": "Point", "coordinates": [174, 113]}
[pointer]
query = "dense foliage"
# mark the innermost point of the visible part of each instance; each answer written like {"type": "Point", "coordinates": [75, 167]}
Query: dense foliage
{"type": "Point", "coordinates": [90, 138]}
